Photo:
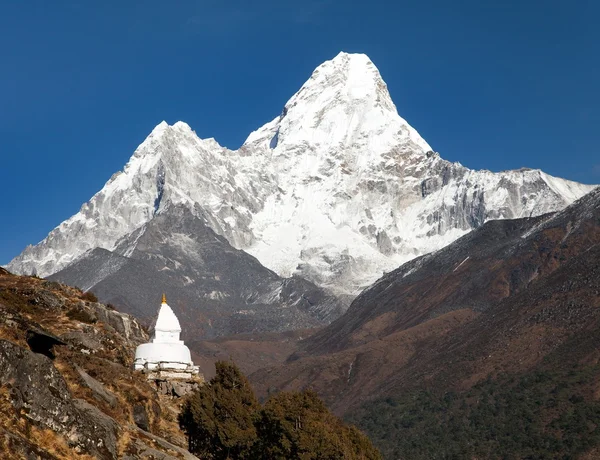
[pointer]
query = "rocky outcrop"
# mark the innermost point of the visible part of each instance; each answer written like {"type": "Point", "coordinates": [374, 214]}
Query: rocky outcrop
{"type": "Point", "coordinates": [42, 342]}
{"type": "Point", "coordinates": [100, 392]}
{"type": "Point", "coordinates": [175, 388]}
{"type": "Point", "coordinates": [122, 323]}
{"type": "Point", "coordinates": [39, 392]}
{"type": "Point", "coordinates": [67, 387]}
{"type": "Point", "coordinates": [142, 449]}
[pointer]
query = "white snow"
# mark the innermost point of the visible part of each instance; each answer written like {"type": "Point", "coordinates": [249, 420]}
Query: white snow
{"type": "Point", "coordinates": [339, 188]}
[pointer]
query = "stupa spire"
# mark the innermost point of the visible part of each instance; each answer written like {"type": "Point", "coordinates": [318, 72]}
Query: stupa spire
{"type": "Point", "coordinates": [165, 351]}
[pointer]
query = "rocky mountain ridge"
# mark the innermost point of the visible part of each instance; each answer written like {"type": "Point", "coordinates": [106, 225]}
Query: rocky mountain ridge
{"type": "Point", "coordinates": [213, 288]}
{"type": "Point", "coordinates": [337, 189]}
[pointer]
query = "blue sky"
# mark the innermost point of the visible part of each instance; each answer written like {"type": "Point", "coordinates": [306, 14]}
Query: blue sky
{"type": "Point", "coordinates": [494, 85]}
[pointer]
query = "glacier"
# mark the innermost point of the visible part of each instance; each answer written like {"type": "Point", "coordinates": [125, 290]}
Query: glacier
{"type": "Point", "coordinates": [338, 188]}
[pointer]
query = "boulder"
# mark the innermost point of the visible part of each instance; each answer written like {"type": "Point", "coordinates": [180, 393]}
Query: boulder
{"type": "Point", "coordinates": [98, 428]}
{"type": "Point", "coordinates": [83, 340]}
{"type": "Point", "coordinates": [124, 324]}
{"type": "Point", "coordinates": [140, 417]}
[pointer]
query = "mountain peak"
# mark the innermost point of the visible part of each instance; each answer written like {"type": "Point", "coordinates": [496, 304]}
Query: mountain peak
{"type": "Point", "coordinates": [338, 188]}
{"type": "Point", "coordinates": [160, 128]}
{"type": "Point", "coordinates": [345, 55]}
{"type": "Point", "coordinates": [350, 61]}
{"type": "Point", "coordinates": [352, 76]}
{"type": "Point", "coordinates": [152, 140]}
{"type": "Point", "coordinates": [345, 104]}
{"type": "Point", "coordinates": [357, 63]}
{"type": "Point", "coordinates": [182, 126]}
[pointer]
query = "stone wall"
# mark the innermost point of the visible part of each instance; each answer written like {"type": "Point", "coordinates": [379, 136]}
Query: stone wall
{"type": "Point", "coordinates": [176, 388]}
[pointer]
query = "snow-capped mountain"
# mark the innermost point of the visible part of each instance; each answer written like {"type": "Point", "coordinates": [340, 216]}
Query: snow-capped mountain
{"type": "Point", "coordinates": [214, 289]}
{"type": "Point", "coordinates": [337, 189]}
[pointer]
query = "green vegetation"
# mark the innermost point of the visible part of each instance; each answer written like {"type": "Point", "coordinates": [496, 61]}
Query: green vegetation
{"type": "Point", "coordinates": [537, 415]}
{"type": "Point", "coordinates": [223, 420]}
{"type": "Point", "coordinates": [299, 426]}
{"type": "Point", "coordinates": [218, 419]}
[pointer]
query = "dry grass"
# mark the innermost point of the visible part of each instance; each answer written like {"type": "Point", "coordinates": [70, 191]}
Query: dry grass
{"type": "Point", "coordinates": [124, 443]}
{"type": "Point", "coordinates": [169, 429]}
{"type": "Point", "coordinates": [7, 411]}
{"type": "Point", "coordinates": [73, 380]}
{"type": "Point", "coordinates": [129, 387]}
{"type": "Point", "coordinates": [22, 307]}
{"type": "Point", "coordinates": [13, 335]}
{"type": "Point", "coordinates": [89, 296]}
{"type": "Point", "coordinates": [120, 412]}
{"type": "Point", "coordinates": [16, 423]}
{"type": "Point", "coordinates": [55, 444]}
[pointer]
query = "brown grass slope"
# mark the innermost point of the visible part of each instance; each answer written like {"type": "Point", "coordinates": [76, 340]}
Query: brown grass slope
{"type": "Point", "coordinates": [82, 400]}
{"type": "Point", "coordinates": [249, 351]}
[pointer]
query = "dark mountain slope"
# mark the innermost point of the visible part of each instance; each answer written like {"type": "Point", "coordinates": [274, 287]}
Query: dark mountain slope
{"type": "Point", "coordinates": [476, 272]}
{"type": "Point", "coordinates": [523, 382]}
{"type": "Point", "coordinates": [214, 289]}
{"type": "Point", "coordinates": [497, 301]}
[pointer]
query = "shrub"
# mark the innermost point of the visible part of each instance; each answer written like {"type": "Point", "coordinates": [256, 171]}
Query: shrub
{"type": "Point", "coordinates": [298, 425]}
{"type": "Point", "coordinates": [89, 296]}
{"type": "Point", "coordinates": [218, 418]}
{"type": "Point", "coordinates": [81, 315]}
{"type": "Point", "coordinates": [223, 420]}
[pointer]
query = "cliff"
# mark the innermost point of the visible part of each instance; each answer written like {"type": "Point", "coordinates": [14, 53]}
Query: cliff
{"type": "Point", "coordinates": [67, 388]}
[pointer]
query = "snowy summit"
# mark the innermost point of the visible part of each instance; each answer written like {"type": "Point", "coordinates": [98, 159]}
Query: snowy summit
{"type": "Point", "coordinates": [338, 188]}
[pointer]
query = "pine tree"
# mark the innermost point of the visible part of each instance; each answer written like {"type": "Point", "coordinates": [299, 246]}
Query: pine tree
{"type": "Point", "coordinates": [298, 425]}
{"type": "Point", "coordinates": [218, 418]}
{"type": "Point", "coordinates": [223, 420]}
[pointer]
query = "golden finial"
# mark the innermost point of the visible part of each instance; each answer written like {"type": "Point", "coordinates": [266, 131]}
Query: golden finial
{"type": "Point", "coordinates": [164, 299]}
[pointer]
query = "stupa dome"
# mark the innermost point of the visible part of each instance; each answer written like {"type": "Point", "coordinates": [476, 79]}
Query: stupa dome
{"type": "Point", "coordinates": [165, 350]}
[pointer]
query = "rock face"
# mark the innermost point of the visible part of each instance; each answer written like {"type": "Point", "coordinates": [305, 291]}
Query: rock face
{"type": "Point", "coordinates": [38, 389]}
{"type": "Point", "coordinates": [67, 385]}
{"type": "Point", "coordinates": [213, 288]}
{"type": "Point", "coordinates": [337, 189]}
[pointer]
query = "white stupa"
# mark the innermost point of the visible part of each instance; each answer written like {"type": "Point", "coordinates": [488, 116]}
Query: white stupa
{"type": "Point", "coordinates": [165, 352]}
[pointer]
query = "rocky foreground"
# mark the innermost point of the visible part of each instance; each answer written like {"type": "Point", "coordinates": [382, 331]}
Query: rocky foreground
{"type": "Point", "coordinates": [66, 386]}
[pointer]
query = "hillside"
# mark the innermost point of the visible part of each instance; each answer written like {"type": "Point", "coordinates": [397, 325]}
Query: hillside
{"type": "Point", "coordinates": [512, 303]}
{"type": "Point", "coordinates": [67, 389]}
